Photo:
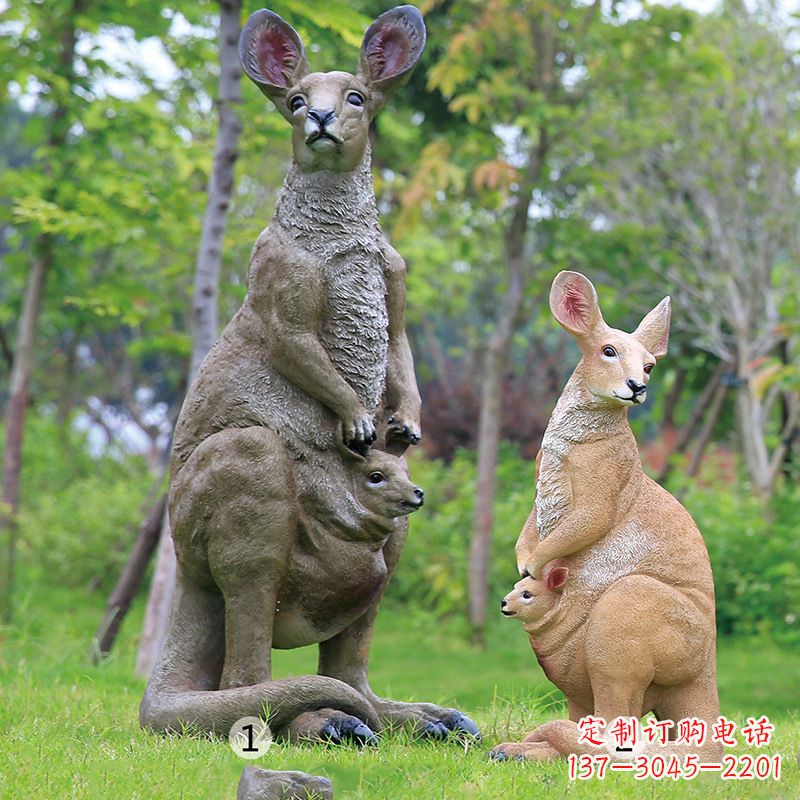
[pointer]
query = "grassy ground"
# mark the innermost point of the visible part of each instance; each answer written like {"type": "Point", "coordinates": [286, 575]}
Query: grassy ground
{"type": "Point", "coordinates": [69, 730]}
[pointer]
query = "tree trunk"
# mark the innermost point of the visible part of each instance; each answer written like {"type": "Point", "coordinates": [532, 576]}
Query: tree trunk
{"type": "Point", "coordinates": [496, 358]}
{"type": "Point", "coordinates": [159, 602]}
{"type": "Point", "coordinates": [751, 426]}
{"type": "Point", "coordinates": [204, 310]}
{"type": "Point", "coordinates": [708, 429]}
{"type": "Point", "coordinates": [43, 260]}
{"type": "Point", "coordinates": [128, 584]}
{"type": "Point", "coordinates": [792, 434]}
{"type": "Point", "coordinates": [15, 424]}
{"type": "Point", "coordinates": [220, 188]}
{"type": "Point", "coordinates": [494, 367]}
{"type": "Point", "coordinates": [672, 398]}
{"type": "Point", "coordinates": [695, 418]}
{"type": "Point", "coordinates": [8, 356]}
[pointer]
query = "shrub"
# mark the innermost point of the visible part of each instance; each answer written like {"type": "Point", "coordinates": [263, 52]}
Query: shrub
{"type": "Point", "coordinates": [755, 555]}
{"type": "Point", "coordinates": [79, 513]}
{"type": "Point", "coordinates": [433, 570]}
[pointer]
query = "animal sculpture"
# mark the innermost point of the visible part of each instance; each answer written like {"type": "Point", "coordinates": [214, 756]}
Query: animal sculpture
{"type": "Point", "coordinates": [277, 542]}
{"type": "Point", "coordinates": [617, 593]}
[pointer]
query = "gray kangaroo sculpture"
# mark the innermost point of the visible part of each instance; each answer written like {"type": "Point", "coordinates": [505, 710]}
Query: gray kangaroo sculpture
{"type": "Point", "coordinates": [276, 533]}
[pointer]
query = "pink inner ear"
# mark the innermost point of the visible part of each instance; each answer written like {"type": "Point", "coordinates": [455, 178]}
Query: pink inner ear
{"type": "Point", "coordinates": [574, 303]}
{"type": "Point", "coordinates": [557, 578]}
{"type": "Point", "coordinates": [277, 57]}
{"type": "Point", "coordinates": [388, 52]}
{"type": "Point", "coordinates": [661, 347]}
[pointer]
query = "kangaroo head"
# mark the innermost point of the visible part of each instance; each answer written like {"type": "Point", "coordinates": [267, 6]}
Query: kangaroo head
{"type": "Point", "coordinates": [381, 481]}
{"type": "Point", "coordinates": [387, 488]}
{"type": "Point", "coordinates": [531, 599]}
{"type": "Point", "coordinates": [330, 112]}
{"type": "Point", "coordinates": [616, 365]}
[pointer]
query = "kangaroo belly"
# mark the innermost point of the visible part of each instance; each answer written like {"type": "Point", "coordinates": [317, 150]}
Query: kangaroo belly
{"type": "Point", "coordinates": [324, 593]}
{"type": "Point", "coordinates": [560, 653]}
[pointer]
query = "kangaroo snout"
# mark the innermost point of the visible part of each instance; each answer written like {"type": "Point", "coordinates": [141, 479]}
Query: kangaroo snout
{"type": "Point", "coordinates": [322, 116]}
{"type": "Point", "coordinates": [419, 494]}
{"type": "Point", "coordinates": [319, 127]}
{"type": "Point", "coordinates": [635, 386]}
{"type": "Point", "coordinates": [504, 609]}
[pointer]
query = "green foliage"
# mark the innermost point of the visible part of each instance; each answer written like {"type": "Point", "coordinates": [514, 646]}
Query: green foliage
{"type": "Point", "coordinates": [433, 572]}
{"type": "Point", "coordinates": [755, 557]}
{"type": "Point", "coordinates": [80, 513]}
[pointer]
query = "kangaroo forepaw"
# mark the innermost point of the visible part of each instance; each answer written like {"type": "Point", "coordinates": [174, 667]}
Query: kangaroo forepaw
{"type": "Point", "coordinates": [404, 429]}
{"type": "Point", "coordinates": [329, 725]}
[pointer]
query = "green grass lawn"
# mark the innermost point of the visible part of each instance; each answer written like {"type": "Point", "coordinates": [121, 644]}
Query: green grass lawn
{"type": "Point", "coordinates": [69, 730]}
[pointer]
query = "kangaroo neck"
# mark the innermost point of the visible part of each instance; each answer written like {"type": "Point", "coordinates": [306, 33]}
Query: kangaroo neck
{"type": "Point", "coordinates": [330, 211]}
{"type": "Point", "coordinates": [580, 417]}
{"type": "Point", "coordinates": [556, 628]}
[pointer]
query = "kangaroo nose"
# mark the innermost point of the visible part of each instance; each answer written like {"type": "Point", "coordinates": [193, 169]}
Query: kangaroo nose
{"type": "Point", "coordinates": [503, 603]}
{"type": "Point", "coordinates": [321, 116]}
{"type": "Point", "coordinates": [635, 386]}
{"type": "Point", "coordinates": [419, 494]}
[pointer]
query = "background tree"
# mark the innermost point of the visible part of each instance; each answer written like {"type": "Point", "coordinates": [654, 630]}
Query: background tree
{"type": "Point", "coordinates": [717, 182]}
{"type": "Point", "coordinates": [204, 306]}
{"type": "Point", "coordinates": [43, 61]}
{"type": "Point", "coordinates": [526, 98]}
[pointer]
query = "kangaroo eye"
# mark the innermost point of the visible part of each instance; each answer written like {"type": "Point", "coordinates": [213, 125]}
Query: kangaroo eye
{"type": "Point", "coordinates": [355, 99]}
{"type": "Point", "coordinates": [609, 351]}
{"type": "Point", "coordinates": [297, 102]}
{"type": "Point", "coordinates": [376, 477]}
{"type": "Point", "coordinates": [648, 368]}
{"type": "Point", "coordinates": [527, 595]}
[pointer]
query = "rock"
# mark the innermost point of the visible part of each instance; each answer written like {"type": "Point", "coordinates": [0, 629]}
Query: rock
{"type": "Point", "coordinates": [267, 784]}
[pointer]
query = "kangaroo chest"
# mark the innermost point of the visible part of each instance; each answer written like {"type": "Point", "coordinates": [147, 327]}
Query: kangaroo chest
{"type": "Point", "coordinates": [553, 493]}
{"type": "Point", "coordinates": [334, 219]}
{"type": "Point", "coordinates": [355, 331]}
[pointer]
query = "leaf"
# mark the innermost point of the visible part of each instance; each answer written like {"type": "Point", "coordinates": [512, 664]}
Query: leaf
{"type": "Point", "coordinates": [494, 175]}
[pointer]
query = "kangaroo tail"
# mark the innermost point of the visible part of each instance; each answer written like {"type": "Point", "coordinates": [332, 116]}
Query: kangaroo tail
{"type": "Point", "coordinates": [163, 710]}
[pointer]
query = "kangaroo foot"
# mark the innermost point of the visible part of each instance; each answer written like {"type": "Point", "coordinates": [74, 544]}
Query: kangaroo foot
{"type": "Point", "coordinates": [523, 751]}
{"type": "Point", "coordinates": [329, 725]}
{"type": "Point", "coordinates": [426, 719]}
{"type": "Point", "coordinates": [267, 784]}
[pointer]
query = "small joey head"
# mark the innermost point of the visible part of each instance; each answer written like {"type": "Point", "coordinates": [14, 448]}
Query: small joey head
{"type": "Point", "coordinates": [616, 365]}
{"type": "Point", "coordinates": [330, 112]}
{"type": "Point", "coordinates": [531, 598]}
{"type": "Point", "coordinates": [382, 482]}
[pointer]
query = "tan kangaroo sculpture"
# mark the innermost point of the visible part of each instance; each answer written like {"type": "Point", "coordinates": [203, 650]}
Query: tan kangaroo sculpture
{"type": "Point", "coordinates": [281, 540]}
{"type": "Point", "coordinates": [619, 604]}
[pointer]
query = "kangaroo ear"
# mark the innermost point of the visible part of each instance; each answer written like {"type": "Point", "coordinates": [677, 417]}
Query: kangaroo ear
{"type": "Point", "coordinates": [351, 455]}
{"type": "Point", "coordinates": [391, 48]}
{"type": "Point", "coordinates": [557, 577]}
{"type": "Point", "coordinates": [573, 302]}
{"type": "Point", "coordinates": [272, 56]}
{"type": "Point", "coordinates": [653, 330]}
